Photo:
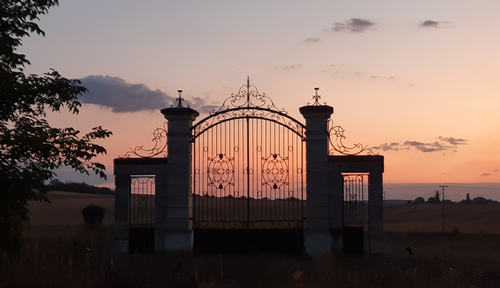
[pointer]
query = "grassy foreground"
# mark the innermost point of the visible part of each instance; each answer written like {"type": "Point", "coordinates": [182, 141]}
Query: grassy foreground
{"type": "Point", "coordinates": [62, 252]}
{"type": "Point", "coordinates": [85, 260]}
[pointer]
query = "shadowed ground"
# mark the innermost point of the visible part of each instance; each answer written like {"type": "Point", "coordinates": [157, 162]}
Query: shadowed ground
{"type": "Point", "coordinates": [63, 253]}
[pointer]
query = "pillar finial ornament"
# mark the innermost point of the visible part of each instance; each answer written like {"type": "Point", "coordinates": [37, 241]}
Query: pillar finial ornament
{"type": "Point", "coordinates": [179, 100]}
{"type": "Point", "coordinates": [316, 98]}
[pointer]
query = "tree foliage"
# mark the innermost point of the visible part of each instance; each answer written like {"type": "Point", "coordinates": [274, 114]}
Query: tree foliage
{"type": "Point", "coordinates": [30, 148]}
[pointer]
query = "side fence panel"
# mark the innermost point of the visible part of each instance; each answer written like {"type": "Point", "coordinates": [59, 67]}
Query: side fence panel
{"type": "Point", "coordinates": [355, 187]}
{"type": "Point", "coordinates": [142, 213]}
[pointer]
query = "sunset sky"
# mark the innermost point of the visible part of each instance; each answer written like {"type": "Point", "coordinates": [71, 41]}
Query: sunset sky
{"type": "Point", "coordinates": [416, 80]}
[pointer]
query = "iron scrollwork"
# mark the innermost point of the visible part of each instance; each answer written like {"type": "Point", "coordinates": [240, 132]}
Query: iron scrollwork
{"type": "Point", "coordinates": [159, 148]}
{"type": "Point", "coordinates": [220, 171]}
{"type": "Point", "coordinates": [248, 103]}
{"type": "Point", "coordinates": [274, 171]}
{"type": "Point", "coordinates": [336, 137]}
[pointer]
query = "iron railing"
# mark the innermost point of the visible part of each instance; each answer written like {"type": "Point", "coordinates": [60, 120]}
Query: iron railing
{"type": "Point", "coordinates": [142, 201]}
{"type": "Point", "coordinates": [354, 202]}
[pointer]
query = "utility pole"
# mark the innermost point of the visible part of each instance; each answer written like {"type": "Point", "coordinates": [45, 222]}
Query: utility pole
{"type": "Point", "coordinates": [442, 201]}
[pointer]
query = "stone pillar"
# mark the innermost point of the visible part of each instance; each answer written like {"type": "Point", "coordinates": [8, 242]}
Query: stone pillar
{"type": "Point", "coordinates": [317, 236]}
{"type": "Point", "coordinates": [174, 205]}
{"type": "Point", "coordinates": [376, 211]}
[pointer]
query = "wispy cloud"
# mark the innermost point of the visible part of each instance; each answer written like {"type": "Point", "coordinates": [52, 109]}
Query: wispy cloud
{"type": "Point", "coordinates": [386, 147]}
{"type": "Point", "coordinates": [288, 67]}
{"type": "Point", "coordinates": [312, 40]}
{"type": "Point", "coordinates": [200, 105]}
{"type": "Point", "coordinates": [432, 24]}
{"type": "Point", "coordinates": [121, 96]}
{"type": "Point", "coordinates": [489, 174]}
{"type": "Point", "coordinates": [426, 147]}
{"type": "Point", "coordinates": [452, 140]}
{"type": "Point", "coordinates": [441, 144]}
{"type": "Point", "coordinates": [353, 25]}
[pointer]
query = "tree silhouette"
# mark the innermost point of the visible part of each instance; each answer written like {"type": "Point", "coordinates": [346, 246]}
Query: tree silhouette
{"type": "Point", "coordinates": [30, 148]}
{"type": "Point", "coordinates": [434, 199]}
{"type": "Point", "coordinates": [467, 200]}
{"type": "Point", "coordinates": [419, 200]}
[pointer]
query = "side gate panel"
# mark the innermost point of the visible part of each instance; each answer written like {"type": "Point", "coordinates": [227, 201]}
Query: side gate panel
{"type": "Point", "coordinates": [354, 212]}
{"type": "Point", "coordinates": [142, 214]}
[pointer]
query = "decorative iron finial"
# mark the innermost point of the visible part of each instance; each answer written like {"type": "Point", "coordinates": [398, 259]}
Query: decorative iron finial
{"type": "Point", "coordinates": [316, 98]}
{"type": "Point", "coordinates": [179, 99]}
{"type": "Point", "coordinates": [248, 91]}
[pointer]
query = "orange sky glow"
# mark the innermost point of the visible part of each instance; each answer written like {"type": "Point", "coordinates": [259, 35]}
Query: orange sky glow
{"type": "Point", "coordinates": [415, 81]}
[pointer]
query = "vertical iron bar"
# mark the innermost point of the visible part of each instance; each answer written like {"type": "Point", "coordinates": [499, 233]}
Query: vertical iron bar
{"type": "Point", "coordinates": [248, 170]}
{"type": "Point", "coordinates": [193, 147]}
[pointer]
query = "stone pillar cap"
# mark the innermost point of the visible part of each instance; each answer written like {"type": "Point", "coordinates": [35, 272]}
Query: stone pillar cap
{"type": "Point", "coordinates": [174, 112]}
{"type": "Point", "coordinates": [316, 110]}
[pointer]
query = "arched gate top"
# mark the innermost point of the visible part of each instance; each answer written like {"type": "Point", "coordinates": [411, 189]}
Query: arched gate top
{"type": "Point", "coordinates": [248, 103]}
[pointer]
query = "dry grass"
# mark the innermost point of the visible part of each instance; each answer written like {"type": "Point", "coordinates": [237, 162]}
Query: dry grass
{"type": "Point", "coordinates": [476, 219]}
{"type": "Point", "coordinates": [62, 263]}
{"type": "Point", "coordinates": [69, 255]}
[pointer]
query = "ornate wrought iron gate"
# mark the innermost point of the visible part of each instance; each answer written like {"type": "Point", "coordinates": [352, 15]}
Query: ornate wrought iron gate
{"type": "Point", "coordinates": [354, 212]}
{"type": "Point", "coordinates": [248, 165]}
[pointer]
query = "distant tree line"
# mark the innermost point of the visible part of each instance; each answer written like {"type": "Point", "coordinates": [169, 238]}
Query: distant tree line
{"type": "Point", "coordinates": [56, 185]}
{"type": "Point", "coordinates": [436, 199]}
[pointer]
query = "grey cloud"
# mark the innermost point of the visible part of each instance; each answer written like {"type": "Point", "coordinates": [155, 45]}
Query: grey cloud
{"type": "Point", "coordinates": [312, 40]}
{"type": "Point", "coordinates": [289, 67]}
{"type": "Point", "coordinates": [426, 147]}
{"type": "Point", "coordinates": [121, 96]}
{"type": "Point", "coordinates": [452, 140]}
{"type": "Point", "coordinates": [353, 25]}
{"type": "Point", "coordinates": [496, 170]}
{"type": "Point", "coordinates": [386, 147]}
{"type": "Point", "coordinates": [486, 174]}
{"type": "Point", "coordinates": [442, 144]}
{"type": "Point", "coordinates": [198, 104]}
{"type": "Point", "coordinates": [431, 24]}
{"type": "Point", "coordinates": [375, 77]}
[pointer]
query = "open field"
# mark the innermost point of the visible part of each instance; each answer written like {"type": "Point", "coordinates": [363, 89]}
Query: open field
{"type": "Point", "coordinates": [65, 210]}
{"type": "Point", "coordinates": [476, 219]}
{"type": "Point", "coordinates": [63, 253]}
